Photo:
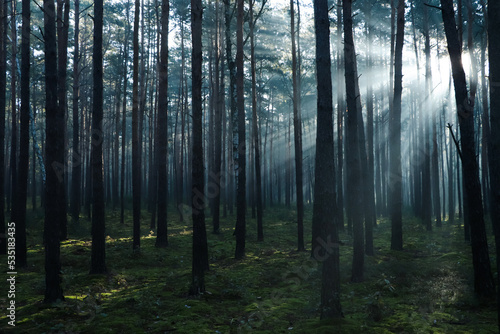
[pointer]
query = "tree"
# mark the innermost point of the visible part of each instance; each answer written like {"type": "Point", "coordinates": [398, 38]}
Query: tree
{"type": "Point", "coordinates": [3, 87]}
{"type": "Point", "coordinates": [483, 280]}
{"type": "Point", "coordinates": [240, 230]}
{"type": "Point", "coordinates": [98, 255]}
{"type": "Point", "coordinates": [54, 153]}
{"type": "Point", "coordinates": [324, 223]}
{"type": "Point", "coordinates": [161, 135]}
{"type": "Point", "coordinates": [494, 144]}
{"type": "Point", "coordinates": [297, 133]}
{"type": "Point", "coordinates": [395, 176]}
{"type": "Point", "coordinates": [24, 145]}
{"type": "Point", "coordinates": [255, 125]}
{"type": "Point", "coordinates": [136, 149]}
{"type": "Point", "coordinates": [200, 246]}
{"type": "Point", "coordinates": [353, 152]}
{"type": "Point", "coordinates": [77, 154]}
{"type": "Point", "coordinates": [62, 58]}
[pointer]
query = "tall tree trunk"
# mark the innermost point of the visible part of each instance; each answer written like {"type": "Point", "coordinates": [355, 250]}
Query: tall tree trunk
{"type": "Point", "coordinates": [325, 224]}
{"type": "Point", "coordinates": [161, 136]}
{"type": "Point", "coordinates": [395, 176]}
{"type": "Point", "coordinates": [219, 101]}
{"type": "Point", "coordinates": [54, 152]}
{"type": "Point", "coordinates": [494, 144]}
{"type": "Point", "coordinates": [136, 142]}
{"type": "Point", "coordinates": [77, 159]}
{"type": "Point", "coordinates": [14, 122]}
{"type": "Point", "coordinates": [240, 230]}
{"type": "Point", "coordinates": [3, 87]}
{"type": "Point", "coordinates": [297, 135]}
{"type": "Point", "coordinates": [200, 247]}
{"type": "Point", "coordinates": [353, 154]}
{"type": "Point", "coordinates": [124, 119]}
{"type": "Point", "coordinates": [62, 58]}
{"type": "Point", "coordinates": [24, 144]}
{"type": "Point", "coordinates": [483, 280]}
{"type": "Point", "coordinates": [340, 120]}
{"type": "Point", "coordinates": [98, 254]}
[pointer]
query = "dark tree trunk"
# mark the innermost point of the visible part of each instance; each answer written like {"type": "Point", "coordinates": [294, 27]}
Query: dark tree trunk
{"type": "Point", "coordinates": [353, 154]}
{"type": "Point", "coordinates": [161, 136]}
{"type": "Point", "coordinates": [98, 255]}
{"type": "Point", "coordinates": [62, 58]}
{"type": "Point", "coordinates": [219, 101]}
{"type": "Point", "coordinates": [200, 247]}
{"type": "Point", "coordinates": [124, 120]}
{"type": "Point", "coordinates": [395, 175]}
{"type": "Point", "coordinates": [14, 130]}
{"type": "Point", "coordinates": [483, 280]}
{"type": "Point", "coordinates": [77, 158]}
{"type": "Point", "coordinates": [494, 144]}
{"type": "Point", "coordinates": [24, 144]}
{"type": "Point", "coordinates": [3, 87]}
{"type": "Point", "coordinates": [240, 230]}
{"type": "Point", "coordinates": [54, 152]}
{"type": "Point", "coordinates": [136, 142]}
{"type": "Point", "coordinates": [297, 134]}
{"type": "Point", "coordinates": [325, 224]}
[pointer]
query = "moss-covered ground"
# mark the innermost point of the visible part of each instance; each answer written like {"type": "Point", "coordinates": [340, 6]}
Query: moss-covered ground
{"type": "Point", "coordinates": [424, 289]}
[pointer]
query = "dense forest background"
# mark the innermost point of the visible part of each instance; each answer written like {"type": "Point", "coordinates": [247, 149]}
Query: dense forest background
{"type": "Point", "coordinates": [307, 156]}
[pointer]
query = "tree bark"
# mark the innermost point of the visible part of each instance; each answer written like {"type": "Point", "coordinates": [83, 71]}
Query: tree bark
{"type": "Point", "coordinates": [494, 144]}
{"type": "Point", "coordinates": [3, 87]}
{"type": "Point", "coordinates": [240, 230]}
{"type": "Point", "coordinates": [325, 224]}
{"type": "Point", "coordinates": [98, 254]}
{"type": "Point", "coordinates": [136, 142]}
{"type": "Point", "coordinates": [353, 154]}
{"type": "Point", "coordinates": [54, 152]}
{"type": "Point", "coordinates": [200, 247]}
{"type": "Point", "coordinates": [395, 176]}
{"type": "Point", "coordinates": [21, 252]}
{"type": "Point", "coordinates": [483, 280]}
{"type": "Point", "coordinates": [161, 136]}
{"type": "Point", "coordinates": [77, 158]}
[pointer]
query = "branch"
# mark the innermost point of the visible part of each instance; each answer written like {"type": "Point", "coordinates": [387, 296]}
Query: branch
{"type": "Point", "coordinates": [449, 126]}
{"type": "Point", "coordinates": [432, 6]}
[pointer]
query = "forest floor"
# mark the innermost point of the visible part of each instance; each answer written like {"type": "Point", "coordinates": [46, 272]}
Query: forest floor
{"type": "Point", "coordinates": [424, 289]}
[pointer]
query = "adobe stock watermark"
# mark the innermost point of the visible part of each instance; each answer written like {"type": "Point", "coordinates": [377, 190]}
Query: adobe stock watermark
{"type": "Point", "coordinates": [11, 273]}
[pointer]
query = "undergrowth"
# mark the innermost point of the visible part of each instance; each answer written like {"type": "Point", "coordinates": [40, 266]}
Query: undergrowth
{"type": "Point", "coordinates": [426, 288]}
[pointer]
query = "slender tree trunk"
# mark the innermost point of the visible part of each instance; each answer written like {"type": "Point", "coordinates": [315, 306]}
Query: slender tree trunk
{"type": "Point", "coordinates": [325, 201]}
{"type": "Point", "coordinates": [14, 122]}
{"type": "Point", "coordinates": [494, 144]}
{"type": "Point", "coordinates": [219, 101]}
{"type": "Point", "coordinates": [200, 247]}
{"type": "Point", "coordinates": [62, 58]}
{"type": "Point", "coordinates": [353, 154]}
{"type": "Point", "coordinates": [483, 280]}
{"type": "Point", "coordinates": [240, 230]}
{"type": "Point", "coordinates": [297, 134]}
{"type": "Point", "coordinates": [395, 176]}
{"type": "Point", "coordinates": [136, 142]}
{"type": "Point", "coordinates": [77, 159]}
{"type": "Point", "coordinates": [3, 87]}
{"type": "Point", "coordinates": [98, 254]}
{"type": "Point", "coordinates": [24, 144]}
{"type": "Point", "coordinates": [54, 152]}
{"type": "Point", "coordinates": [161, 136]}
{"type": "Point", "coordinates": [124, 120]}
